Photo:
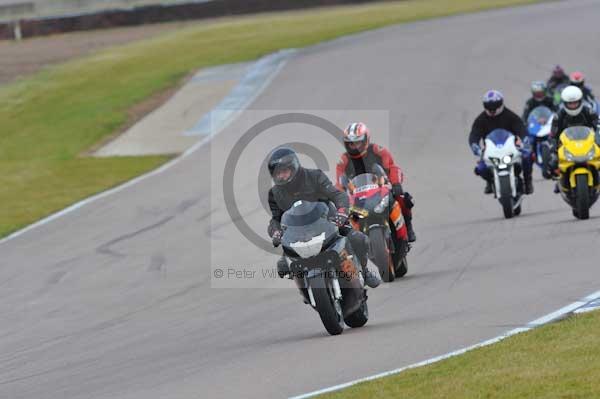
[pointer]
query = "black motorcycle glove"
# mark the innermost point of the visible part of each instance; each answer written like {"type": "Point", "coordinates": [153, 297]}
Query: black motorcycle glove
{"type": "Point", "coordinates": [408, 200]}
{"type": "Point", "coordinates": [275, 232]}
{"type": "Point", "coordinates": [276, 239]}
{"type": "Point", "coordinates": [340, 218]}
{"type": "Point", "coordinates": [397, 190]}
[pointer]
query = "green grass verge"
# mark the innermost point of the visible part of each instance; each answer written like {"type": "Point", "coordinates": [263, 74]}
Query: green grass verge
{"type": "Point", "coordinates": [560, 360]}
{"type": "Point", "coordinates": [48, 120]}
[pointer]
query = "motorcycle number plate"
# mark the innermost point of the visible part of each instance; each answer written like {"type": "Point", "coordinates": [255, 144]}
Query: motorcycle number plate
{"type": "Point", "coordinates": [503, 173]}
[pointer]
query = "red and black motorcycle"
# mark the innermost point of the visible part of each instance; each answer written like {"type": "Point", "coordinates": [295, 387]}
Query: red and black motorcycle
{"type": "Point", "coordinates": [375, 212]}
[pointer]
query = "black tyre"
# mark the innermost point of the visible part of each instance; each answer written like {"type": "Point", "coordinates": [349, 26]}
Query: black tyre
{"type": "Point", "coordinates": [545, 158]}
{"type": "Point", "coordinates": [328, 308]}
{"type": "Point", "coordinates": [506, 199]}
{"type": "Point", "coordinates": [380, 254]}
{"type": "Point", "coordinates": [399, 258]}
{"type": "Point", "coordinates": [360, 317]}
{"type": "Point", "coordinates": [582, 197]}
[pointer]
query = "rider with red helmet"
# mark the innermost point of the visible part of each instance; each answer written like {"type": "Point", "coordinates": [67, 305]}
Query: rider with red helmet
{"type": "Point", "coordinates": [361, 155]}
{"type": "Point", "coordinates": [577, 79]}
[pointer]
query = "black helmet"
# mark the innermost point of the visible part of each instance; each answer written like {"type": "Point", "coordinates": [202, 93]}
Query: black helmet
{"type": "Point", "coordinates": [283, 165]}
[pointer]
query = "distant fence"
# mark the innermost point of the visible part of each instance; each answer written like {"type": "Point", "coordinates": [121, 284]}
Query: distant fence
{"type": "Point", "coordinates": [10, 10]}
{"type": "Point", "coordinates": [30, 27]}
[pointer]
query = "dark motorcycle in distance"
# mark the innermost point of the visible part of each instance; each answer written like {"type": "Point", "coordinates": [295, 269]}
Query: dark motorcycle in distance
{"type": "Point", "coordinates": [539, 123]}
{"type": "Point", "coordinates": [323, 266]}
{"type": "Point", "coordinates": [372, 206]}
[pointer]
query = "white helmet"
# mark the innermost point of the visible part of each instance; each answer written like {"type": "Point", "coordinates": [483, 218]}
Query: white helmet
{"type": "Point", "coordinates": [572, 98]}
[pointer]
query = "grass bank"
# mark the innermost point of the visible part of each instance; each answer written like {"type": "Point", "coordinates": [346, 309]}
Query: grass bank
{"type": "Point", "coordinates": [50, 119]}
{"type": "Point", "coordinates": [560, 360]}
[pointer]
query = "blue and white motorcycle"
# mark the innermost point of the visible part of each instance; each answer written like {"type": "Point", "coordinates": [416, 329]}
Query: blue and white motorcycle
{"type": "Point", "coordinates": [539, 124]}
{"type": "Point", "coordinates": [503, 157]}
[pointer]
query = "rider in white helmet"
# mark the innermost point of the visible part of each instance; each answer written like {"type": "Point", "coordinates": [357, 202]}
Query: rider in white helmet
{"type": "Point", "coordinates": [573, 112]}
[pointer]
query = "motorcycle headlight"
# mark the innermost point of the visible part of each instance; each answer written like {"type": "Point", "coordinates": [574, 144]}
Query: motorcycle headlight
{"type": "Point", "coordinates": [361, 213]}
{"type": "Point", "coordinates": [379, 208]}
{"type": "Point", "coordinates": [507, 159]}
{"type": "Point", "coordinates": [587, 157]}
{"type": "Point", "coordinates": [495, 161]}
{"type": "Point", "coordinates": [568, 155]}
{"type": "Point", "coordinates": [312, 247]}
{"type": "Point", "coordinates": [591, 154]}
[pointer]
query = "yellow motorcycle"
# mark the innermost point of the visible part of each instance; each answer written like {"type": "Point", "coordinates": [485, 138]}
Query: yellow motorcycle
{"type": "Point", "coordinates": [578, 164]}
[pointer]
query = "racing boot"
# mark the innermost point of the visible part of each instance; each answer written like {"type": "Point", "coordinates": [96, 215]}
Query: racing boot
{"type": "Point", "coordinates": [528, 186]}
{"type": "Point", "coordinates": [409, 229]}
{"type": "Point", "coordinates": [372, 276]}
{"type": "Point", "coordinates": [360, 245]}
{"type": "Point", "coordinates": [488, 187]}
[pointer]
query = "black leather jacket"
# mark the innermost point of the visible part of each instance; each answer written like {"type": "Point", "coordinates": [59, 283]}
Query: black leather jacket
{"type": "Point", "coordinates": [308, 185]}
{"type": "Point", "coordinates": [507, 120]}
{"type": "Point", "coordinates": [553, 82]}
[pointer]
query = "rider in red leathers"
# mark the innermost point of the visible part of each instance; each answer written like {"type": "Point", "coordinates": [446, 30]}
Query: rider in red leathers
{"type": "Point", "coordinates": [361, 156]}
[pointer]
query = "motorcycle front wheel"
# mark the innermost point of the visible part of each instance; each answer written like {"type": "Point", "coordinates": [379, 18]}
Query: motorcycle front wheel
{"type": "Point", "coordinates": [381, 255]}
{"type": "Point", "coordinates": [582, 197]}
{"type": "Point", "coordinates": [506, 199]}
{"type": "Point", "coordinates": [327, 306]}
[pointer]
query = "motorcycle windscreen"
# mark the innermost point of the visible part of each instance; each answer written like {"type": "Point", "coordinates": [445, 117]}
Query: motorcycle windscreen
{"type": "Point", "coordinates": [307, 228]}
{"type": "Point", "coordinates": [539, 116]}
{"type": "Point", "coordinates": [577, 133]}
{"type": "Point", "coordinates": [365, 182]}
{"type": "Point", "coordinates": [499, 136]}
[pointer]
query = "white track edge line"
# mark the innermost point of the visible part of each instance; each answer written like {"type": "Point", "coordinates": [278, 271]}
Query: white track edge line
{"type": "Point", "coordinates": [151, 173]}
{"type": "Point", "coordinates": [529, 326]}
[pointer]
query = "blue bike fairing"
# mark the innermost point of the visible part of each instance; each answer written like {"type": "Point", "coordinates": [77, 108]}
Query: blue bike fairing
{"type": "Point", "coordinates": [533, 127]}
{"type": "Point", "coordinates": [538, 117]}
{"type": "Point", "coordinates": [499, 136]}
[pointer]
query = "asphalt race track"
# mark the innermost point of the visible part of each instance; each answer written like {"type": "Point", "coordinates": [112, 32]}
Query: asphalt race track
{"type": "Point", "coordinates": [114, 300]}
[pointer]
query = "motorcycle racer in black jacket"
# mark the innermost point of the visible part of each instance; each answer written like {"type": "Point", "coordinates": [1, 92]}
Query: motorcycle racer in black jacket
{"type": "Point", "coordinates": [497, 116]}
{"type": "Point", "coordinates": [574, 111]}
{"type": "Point", "coordinates": [539, 98]}
{"type": "Point", "coordinates": [294, 183]}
